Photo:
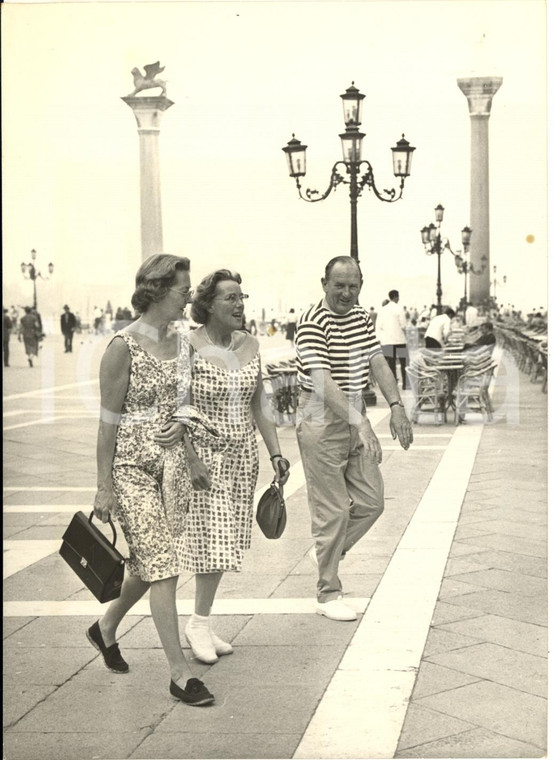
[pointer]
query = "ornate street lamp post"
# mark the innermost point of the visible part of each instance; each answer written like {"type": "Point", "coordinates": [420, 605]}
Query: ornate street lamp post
{"type": "Point", "coordinates": [433, 242]}
{"type": "Point", "coordinates": [495, 282]}
{"type": "Point", "coordinates": [352, 162]}
{"type": "Point", "coordinates": [463, 264]}
{"type": "Point", "coordinates": [30, 272]}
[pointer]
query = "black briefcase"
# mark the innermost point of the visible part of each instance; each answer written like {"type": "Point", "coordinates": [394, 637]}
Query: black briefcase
{"type": "Point", "coordinates": [93, 558]}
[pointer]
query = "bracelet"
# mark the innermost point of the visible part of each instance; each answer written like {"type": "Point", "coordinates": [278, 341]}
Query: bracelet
{"type": "Point", "coordinates": [396, 403]}
{"type": "Point", "coordinates": [276, 456]}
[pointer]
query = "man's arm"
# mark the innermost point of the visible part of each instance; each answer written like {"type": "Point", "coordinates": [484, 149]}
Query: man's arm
{"type": "Point", "coordinates": [336, 400]}
{"type": "Point", "coordinates": [399, 424]}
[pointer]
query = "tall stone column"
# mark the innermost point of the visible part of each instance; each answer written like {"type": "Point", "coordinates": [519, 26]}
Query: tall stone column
{"type": "Point", "coordinates": [148, 111]}
{"type": "Point", "coordinates": [479, 92]}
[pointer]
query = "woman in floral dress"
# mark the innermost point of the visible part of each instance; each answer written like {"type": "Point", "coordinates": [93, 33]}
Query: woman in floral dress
{"type": "Point", "coordinates": [227, 388]}
{"type": "Point", "coordinates": [144, 379]}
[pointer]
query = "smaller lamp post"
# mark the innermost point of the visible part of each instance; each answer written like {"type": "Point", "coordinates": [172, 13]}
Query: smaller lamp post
{"type": "Point", "coordinates": [434, 243]}
{"type": "Point", "coordinates": [30, 272]}
{"type": "Point", "coordinates": [495, 282]}
{"type": "Point", "coordinates": [463, 265]}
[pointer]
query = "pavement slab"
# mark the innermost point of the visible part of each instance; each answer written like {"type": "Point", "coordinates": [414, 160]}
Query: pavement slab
{"type": "Point", "coordinates": [524, 637]}
{"type": "Point", "coordinates": [476, 742]}
{"type": "Point", "coordinates": [493, 662]}
{"type": "Point", "coordinates": [508, 605]}
{"type": "Point", "coordinates": [503, 580]}
{"type": "Point", "coordinates": [498, 708]}
{"type": "Point", "coordinates": [53, 745]}
{"type": "Point", "coordinates": [433, 679]}
{"type": "Point", "coordinates": [175, 746]}
{"type": "Point", "coordinates": [425, 725]}
{"type": "Point", "coordinates": [439, 641]}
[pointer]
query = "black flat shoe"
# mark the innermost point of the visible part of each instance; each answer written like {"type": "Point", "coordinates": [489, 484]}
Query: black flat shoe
{"type": "Point", "coordinates": [195, 693]}
{"type": "Point", "coordinates": [112, 656]}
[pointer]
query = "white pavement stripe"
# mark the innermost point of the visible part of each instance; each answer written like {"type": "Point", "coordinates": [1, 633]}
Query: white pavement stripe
{"type": "Point", "coordinates": [65, 397]}
{"type": "Point", "coordinates": [59, 410]}
{"type": "Point", "coordinates": [41, 391]}
{"type": "Point", "coordinates": [50, 420]}
{"type": "Point", "coordinates": [273, 606]}
{"type": "Point", "coordinates": [10, 509]}
{"type": "Point", "coordinates": [20, 554]}
{"type": "Point", "coordinates": [363, 710]}
{"type": "Point", "coordinates": [36, 489]}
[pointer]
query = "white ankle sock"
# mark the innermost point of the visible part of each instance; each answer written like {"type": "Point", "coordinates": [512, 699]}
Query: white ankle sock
{"type": "Point", "coordinates": [199, 621]}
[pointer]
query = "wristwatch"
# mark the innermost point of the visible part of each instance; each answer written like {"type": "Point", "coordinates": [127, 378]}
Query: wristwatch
{"type": "Point", "coordinates": [396, 403]}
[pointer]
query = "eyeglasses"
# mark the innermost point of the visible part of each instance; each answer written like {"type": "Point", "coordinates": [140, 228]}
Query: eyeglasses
{"type": "Point", "coordinates": [233, 298]}
{"type": "Point", "coordinates": [186, 293]}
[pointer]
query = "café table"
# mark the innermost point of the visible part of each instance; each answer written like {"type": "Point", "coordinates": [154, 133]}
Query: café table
{"type": "Point", "coordinates": [450, 363]}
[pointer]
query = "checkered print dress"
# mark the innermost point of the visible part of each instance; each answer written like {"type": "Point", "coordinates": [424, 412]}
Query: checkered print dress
{"type": "Point", "coordinates": [219, 523]}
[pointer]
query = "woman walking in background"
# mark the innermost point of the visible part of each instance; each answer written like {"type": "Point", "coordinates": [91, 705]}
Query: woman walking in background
{"type": "Point", "coordinates": [30, 331]}
{"type": "Point", "coordinates": [144, 378]}
{"type": "Point", "coordinates": [227, 388]}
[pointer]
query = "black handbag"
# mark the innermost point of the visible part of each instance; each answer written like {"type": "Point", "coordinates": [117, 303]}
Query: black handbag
{"type": "Point", "coordinates": [271, 514]}
{"type": "Point", "coordinates": [93, 558]}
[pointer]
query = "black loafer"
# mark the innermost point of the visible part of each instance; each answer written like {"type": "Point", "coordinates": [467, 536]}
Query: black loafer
{"type": "Point", "coordinates": [195, 693]}
{"type": "Point", "coordinates": [112, 656]}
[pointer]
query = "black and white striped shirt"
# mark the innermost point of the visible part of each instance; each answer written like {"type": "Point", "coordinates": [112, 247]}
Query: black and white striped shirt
{"type": "Point", "coordinates": [343, 344]}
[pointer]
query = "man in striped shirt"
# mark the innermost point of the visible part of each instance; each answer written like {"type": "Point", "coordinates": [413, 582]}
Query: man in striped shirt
{"type": "Point", "coordinates": [335, 348]}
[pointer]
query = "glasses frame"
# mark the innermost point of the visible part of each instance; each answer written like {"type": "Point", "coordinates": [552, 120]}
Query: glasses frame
{"type": "Point", "coordinates": [188, 294]}
{"type": "Point", "coordinates": [233, 298]}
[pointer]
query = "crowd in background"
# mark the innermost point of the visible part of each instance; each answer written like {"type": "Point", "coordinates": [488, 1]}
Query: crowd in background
{"type": "Point", "coordinates": [27, 325]}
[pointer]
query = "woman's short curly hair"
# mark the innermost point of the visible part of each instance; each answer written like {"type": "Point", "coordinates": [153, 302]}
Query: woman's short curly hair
{"type": "Point", "coordinates": [205, 293]}
{"type": "Point", "coordinates": [154, 278]}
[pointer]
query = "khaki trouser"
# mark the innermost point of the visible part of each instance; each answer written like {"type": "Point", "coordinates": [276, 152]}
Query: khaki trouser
{"type": "Point", "coordinates": [345, 489]}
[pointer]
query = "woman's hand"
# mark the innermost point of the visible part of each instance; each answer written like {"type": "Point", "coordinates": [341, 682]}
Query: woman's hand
{"type": "Point", "coordinates": [281, 467]}
{"type": "Point", "coordinates": [200, 476]}
{"type": "Point", "coordinates": [104, 503]}
{"type": "Point", "coordinates": [170, 435]}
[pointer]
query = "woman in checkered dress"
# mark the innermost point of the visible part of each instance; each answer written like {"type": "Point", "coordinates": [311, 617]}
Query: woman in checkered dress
{"type": "Point", "coordinates": [227, 388]}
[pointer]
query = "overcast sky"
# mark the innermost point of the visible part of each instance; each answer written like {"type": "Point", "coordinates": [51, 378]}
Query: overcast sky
{"type": "Point", "coordinates": [243, 77]}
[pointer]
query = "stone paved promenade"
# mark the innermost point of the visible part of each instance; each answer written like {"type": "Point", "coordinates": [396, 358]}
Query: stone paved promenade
{"type": "Point", "coordinates": [447, 658]}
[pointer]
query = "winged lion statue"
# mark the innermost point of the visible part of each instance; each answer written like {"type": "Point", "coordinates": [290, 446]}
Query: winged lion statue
{"type": "Point", "coordinates": [148, 80]}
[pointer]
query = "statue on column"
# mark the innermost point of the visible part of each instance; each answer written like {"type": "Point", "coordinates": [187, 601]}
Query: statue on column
{"type": "Point", "coordinates": [148, 80]}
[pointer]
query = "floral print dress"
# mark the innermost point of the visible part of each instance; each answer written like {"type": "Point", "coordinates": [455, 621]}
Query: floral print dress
{"type": "Point", "coordinates": [152, 485]}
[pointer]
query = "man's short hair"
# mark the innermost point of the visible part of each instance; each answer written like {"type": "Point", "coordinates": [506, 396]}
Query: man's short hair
{"type": "Point", "coordinates": [487, 326]}
{"type": "Point", "coordinates": [341, 260]}
{"type": "Point", "coordinates": [393, 294]}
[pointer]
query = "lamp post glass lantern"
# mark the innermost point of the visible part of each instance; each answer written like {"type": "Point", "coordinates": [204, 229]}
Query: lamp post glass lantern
{"type": "Point", "coordinates": [352, 163]}
{"type": "Point", "coordinates": [435, 243]}
{"type": "Point", "coordinates": [30, 272]}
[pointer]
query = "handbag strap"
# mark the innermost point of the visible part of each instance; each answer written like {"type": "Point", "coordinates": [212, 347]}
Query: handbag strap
{"type": "Point", "coordinates": [111, 524]}
{"type": "Point", "coordinates": [278, 487]}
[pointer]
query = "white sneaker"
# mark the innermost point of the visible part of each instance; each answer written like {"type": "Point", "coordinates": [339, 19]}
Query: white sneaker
{"type": "Point", "coordinates": [221, 647]}
{"type": "Point", "coordinates": [336, 609]}
{"type": "Point", "coordinates": [312, 554]}
{"type": "Point", "coordinates": [201, 643]}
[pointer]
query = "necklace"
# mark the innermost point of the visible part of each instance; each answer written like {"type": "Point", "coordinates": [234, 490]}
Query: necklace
{"type": "Point", "coordinates": [225, 348]}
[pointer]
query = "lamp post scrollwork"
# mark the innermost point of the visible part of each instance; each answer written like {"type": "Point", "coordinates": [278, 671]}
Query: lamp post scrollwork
{"type": "Point", "coordinates": [352, 170]}
{"type": "Point", "coordinates": [30, 272]}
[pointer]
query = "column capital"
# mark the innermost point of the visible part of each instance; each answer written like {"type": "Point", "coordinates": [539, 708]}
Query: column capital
{"type": "Point", "coordinates": [148, 110]}
{"type": "Point", "coordinates": [479, 92]}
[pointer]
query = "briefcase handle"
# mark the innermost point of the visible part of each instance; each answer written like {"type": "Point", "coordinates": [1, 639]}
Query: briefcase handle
{"type": "Point", "coordinates": [111, 524]}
